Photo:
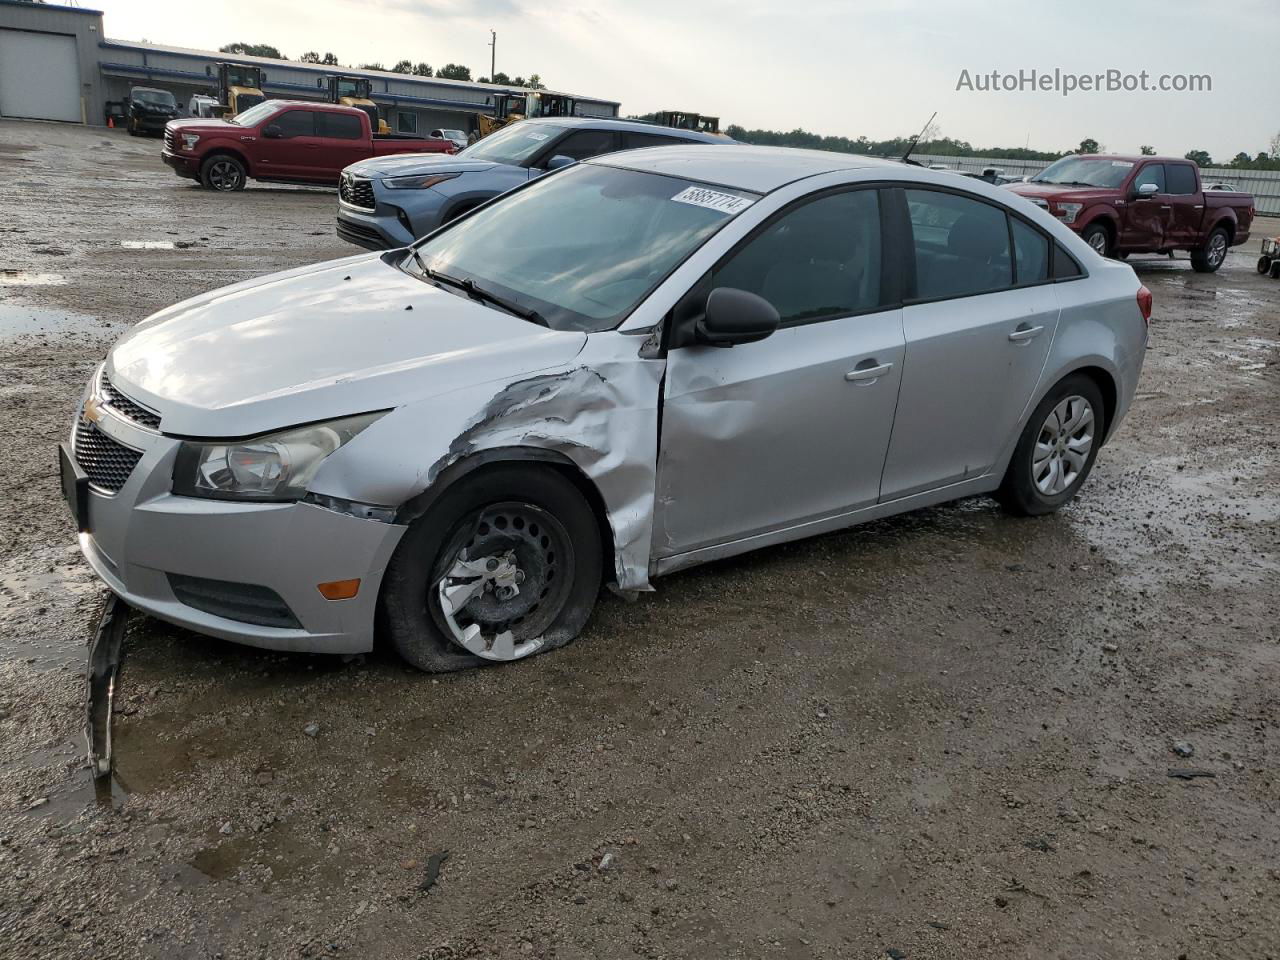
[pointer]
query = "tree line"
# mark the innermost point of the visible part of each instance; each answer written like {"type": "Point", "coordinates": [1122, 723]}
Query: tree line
{"type": "Point", "coordinates": [450, 71]}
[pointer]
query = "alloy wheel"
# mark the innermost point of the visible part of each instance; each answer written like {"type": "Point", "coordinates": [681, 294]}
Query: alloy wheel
{"type": "Point", "coordinates": [1062, 447]}
{"type": "Point", "coordinates": [1217, 250]}
{"type": "Point", "coordinates": [507, 572]}
{"type": "Point", "coordinates": [1098, 241]}
{"type": "Point", "coordinates": [224, 175]}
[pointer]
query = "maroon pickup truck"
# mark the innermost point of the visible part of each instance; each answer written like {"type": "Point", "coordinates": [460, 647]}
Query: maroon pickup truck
{"type": "Point", "coordinates": [286, 141]}
{"type": "Point", "coordinates": [1124, 205]}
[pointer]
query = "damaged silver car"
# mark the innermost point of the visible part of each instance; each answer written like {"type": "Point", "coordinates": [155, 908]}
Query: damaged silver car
{"type": "Point", "coordinates": [637, 364]}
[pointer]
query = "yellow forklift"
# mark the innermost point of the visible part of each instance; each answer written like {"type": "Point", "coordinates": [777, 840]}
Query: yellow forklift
{"type": "Point", "coordinates": [508, 107]}
{"type": "Point", "coordinates": [355, 92]}
{"type": "Point", "coordinates": [239, 88]}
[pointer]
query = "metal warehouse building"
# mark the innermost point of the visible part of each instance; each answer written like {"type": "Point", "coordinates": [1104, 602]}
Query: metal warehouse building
{"type": "Point", "coordinates": [56, 64]}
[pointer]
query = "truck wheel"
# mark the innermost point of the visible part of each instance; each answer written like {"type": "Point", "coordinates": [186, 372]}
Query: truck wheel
{"type": "Point", "coordinates": [505, 564]}
{"type": "Point", "coordinates": [1056, 450]}
{"type": "Point", "coordinates": [1209, 257]}
{"type": "Point", "coordinates": [1099, 238]}
{"type": "Point", "coordinates": [133, 127]}
{"type": "Point", "coordinates": [1264, 265]}
{"type": "Point", "coordinates": [1275, 269]}
{"type": "Point", "coordinates": [222, 172]}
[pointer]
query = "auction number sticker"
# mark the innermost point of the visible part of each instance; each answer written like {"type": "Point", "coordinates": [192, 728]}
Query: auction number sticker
{"type": "Point", "coordinates": [1122, 163]}
{"type": "Point", "coordinates": [712, 200]}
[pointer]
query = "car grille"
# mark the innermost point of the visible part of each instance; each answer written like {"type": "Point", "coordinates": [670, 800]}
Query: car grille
{"type": "Point", "coordinates": [356, 191]}
{"type": "Point", "coordinates": [1040, 202]}
{"type": "Point", "coordinates": [107, 462]}
{"type": "Point", "coordinates": [170, 141]}
{"type": "Point", "coordinates": [129, 409]}
{"type": "Point", "coordinates": [245, 602]}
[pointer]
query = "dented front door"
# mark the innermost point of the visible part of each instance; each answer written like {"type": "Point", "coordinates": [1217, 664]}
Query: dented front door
{"type": "Point", "coordinates": [767, 435]}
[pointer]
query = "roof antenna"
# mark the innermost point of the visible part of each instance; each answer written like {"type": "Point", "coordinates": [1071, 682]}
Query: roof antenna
{"type": "Point", "coordinates": [906, 157]}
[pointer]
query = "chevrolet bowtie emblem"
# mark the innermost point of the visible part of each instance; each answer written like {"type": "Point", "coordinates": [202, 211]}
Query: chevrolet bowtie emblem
{"type": "Point", "coordinates": [92, 410]}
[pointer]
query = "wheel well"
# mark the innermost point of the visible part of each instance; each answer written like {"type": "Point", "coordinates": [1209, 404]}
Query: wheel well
{"type": "Point", "coordinates": [466, 206]}
{"type": "Point", "coordinates": [1103, 222]}
{"type": "Point", "coordinates": [1107, 387]}
{"type": "Point", "coordinates": [227, 152]}
{"type": "Point", "coordinates": [1226, 224]}
{"type": "Point", "coordinates": [532, 459]}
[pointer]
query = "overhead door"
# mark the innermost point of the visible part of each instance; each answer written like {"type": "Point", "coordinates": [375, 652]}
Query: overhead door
{"type": "Point", "coordinates": [39, 76]}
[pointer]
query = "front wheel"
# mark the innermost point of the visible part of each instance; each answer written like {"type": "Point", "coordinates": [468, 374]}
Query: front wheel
{"type": "Point", "coordinates": [505, 565]}
{"type": "Point", "coordinates": [1056, 450]}
{"type": "Point", "coordinates": [1264, 265]}
{"type": "Point", "coordinates": [1099, 238]}
{"type": "Point", "coordinates": [1210, 257]}
{"type": "Point", "coordinates": [223, 173]}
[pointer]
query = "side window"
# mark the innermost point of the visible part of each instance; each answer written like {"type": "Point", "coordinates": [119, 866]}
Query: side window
{"type": "Point", "coordinates": [818, 260]}
{"type": "Point", "coordinates": [1151, 173]}
{"type": "Point", "coordinates": [1031, 253]}
{"type": "Point", "coordinates": [1181, 178]}
{"type": "Point", "coordinates": [632, 140]}
{"type": "Point", "coordinates": [585, 143]}
{"type": "Point", "coordinates": [1064, 265]}
{"type": "Point", "coordinates": [296, 123]}
{"type": "Point", "coordinates": [340, 126]}
{"type": "Point", "coordinates": [961, 245]}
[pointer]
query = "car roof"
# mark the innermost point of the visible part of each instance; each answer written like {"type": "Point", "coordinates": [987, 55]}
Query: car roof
{"type": "Point", "coordinates": [1130, 158]}
{"type": "Point", "coordinates": [637, 126]}
{"type": "Point", "coordinates": [757, 169]}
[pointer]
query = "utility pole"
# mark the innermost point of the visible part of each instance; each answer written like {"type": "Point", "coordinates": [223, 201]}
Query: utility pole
{"type": "Point", "coordinates": [493, 55]}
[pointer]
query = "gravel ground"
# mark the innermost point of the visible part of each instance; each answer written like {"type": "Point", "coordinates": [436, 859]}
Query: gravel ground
{"type": "Point", "coordinates": [943, 735]}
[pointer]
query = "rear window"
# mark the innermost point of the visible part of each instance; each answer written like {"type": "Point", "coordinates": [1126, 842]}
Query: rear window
{"type": "Point", "coordinates": [296, 123]}
{"type": "Point", "coordinates": [1181, 178]}
{"type": "Point", "coordinates": [961, 245]}
{"type": "Point", "coordinates": [341, 126]}
{"type": "Point", "coordinates": [1031, 253]}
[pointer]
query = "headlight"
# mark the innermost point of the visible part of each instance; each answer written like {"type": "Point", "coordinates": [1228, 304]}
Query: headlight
{"type": "Point", "coordinates": [1067, 211]}
{"type": "Point", "coordinates": [189, 140]}
{"type": "Point", "coordinates": [275, 467]}
{"type": "Point", "coordinates": [418, 182]}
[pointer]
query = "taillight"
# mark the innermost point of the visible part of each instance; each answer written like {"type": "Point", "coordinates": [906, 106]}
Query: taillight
{"type": "Point", "coordinates": [1144, 304]}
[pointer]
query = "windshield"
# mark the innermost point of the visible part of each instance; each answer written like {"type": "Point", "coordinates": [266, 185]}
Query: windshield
{"type": "Point", "coordinates": [584, 246]}
{"type": "Point", "coordinates": [1085, 172]}
{"type": "Point", "coordinates": [515, 144]}
{"type": "Point", "coordinates": [255, 115]}
{"type": "Point", "coordinates": [162, 98]}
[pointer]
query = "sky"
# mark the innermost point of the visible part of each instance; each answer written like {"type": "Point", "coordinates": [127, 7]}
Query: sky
{"type": "Point", "coordinates": [874, 68]}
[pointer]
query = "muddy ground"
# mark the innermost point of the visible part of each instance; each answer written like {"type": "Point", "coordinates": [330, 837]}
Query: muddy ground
{"type": "Point", "coordinates": [944, 735]}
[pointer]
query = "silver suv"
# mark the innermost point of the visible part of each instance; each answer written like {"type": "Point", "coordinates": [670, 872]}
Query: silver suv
{"type": "Point", "coordinates": [390, 202]}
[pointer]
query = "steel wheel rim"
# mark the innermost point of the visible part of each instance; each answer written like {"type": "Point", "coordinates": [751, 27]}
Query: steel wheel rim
{"type": "Point", "coordinates": [223, 175]}
{"type": "Point", "coordinates": [1217, 249]}
{"type": "Point", "coordinates": [1098, 241]}
{"type": "Point", "coordinates": [501, 580]}
{"type": "Point", "coordinates": [1062, 446]}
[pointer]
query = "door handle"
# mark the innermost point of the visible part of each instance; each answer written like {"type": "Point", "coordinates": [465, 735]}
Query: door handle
{"type": "Point", "coordinates": [1024, 333]}
{"type": "Point", "coordinates": [868, 374]}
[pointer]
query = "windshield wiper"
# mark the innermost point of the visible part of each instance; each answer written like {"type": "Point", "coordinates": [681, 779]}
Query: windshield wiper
{"type": "Point", "coordinates": [477, 292]}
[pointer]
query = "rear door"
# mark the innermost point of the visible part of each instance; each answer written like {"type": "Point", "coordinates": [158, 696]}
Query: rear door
{"type": "Point", "coordinates": [1145, 221]}
{"type": "Point", "coordinates": [977, 336]}
{"type": "Point", "coordinates": [1187, 215]}
{"type": "Point", "coordinates": [342, 141]}
{"type": "Point", "coordinates": [793, 428]}
{"type": "Point", "coordinates": [291, 154]}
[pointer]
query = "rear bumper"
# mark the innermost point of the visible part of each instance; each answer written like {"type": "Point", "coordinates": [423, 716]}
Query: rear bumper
{"type": "Point", "coordinates": [181, 165]}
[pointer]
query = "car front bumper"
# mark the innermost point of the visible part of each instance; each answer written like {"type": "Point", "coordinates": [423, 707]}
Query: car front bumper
{"type": "Point", "coordinates": [397, 218]}
{"type": "Point", "coordinates": [183, 166]}
{"type": "Point", "coordinates": [143, 541]}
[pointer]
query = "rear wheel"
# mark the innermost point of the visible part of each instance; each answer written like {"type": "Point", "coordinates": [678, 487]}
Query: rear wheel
{"type": "Point", "coordinates": [1099, 238]}
{"type": "Point", "coordinates": [1275, 269]}
{"type": "Point", "coordinates": [506, 564]}
{"type": "Point", "coordinates": [222, 172]}
{"type": "Point", "coordinates": [1264, 264]}
{"type": "Point", "coordinates": [1056, 450]}
{"type": "Point", "coordinates": [1209, 258]}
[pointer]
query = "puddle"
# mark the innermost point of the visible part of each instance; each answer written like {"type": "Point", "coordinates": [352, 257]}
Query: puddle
{"type": "Point", "coordinates": [30, 278]}
{"type": "Point", "coordinates": [147, 244]}
{"type": "Point", "coordinates": [20, 319]}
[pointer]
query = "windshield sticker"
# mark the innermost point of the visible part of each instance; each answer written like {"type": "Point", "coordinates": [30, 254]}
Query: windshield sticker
{"type": "Point", "coordinates": [538, 136]}
{"type": "Point", "coordinates": [712, 200]}
{"type": "Point", "coordinates": [1122, 163]}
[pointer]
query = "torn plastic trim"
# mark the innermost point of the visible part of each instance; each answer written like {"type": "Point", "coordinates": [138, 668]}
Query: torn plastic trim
{"type": "Point", "coordinates": [352, 508]}
{"type": "Point", "coordinates": [105, 654]}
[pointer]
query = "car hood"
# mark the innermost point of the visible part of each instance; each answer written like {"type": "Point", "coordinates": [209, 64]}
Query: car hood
{"type": "Point", "coordinates": [325, 341]}
{"type": "Point", "coordinates": [413, 164]}
{"type": "Point", "coordinates": [1053, 191]}
{"type": "Point", "coordinates": [204, 125]}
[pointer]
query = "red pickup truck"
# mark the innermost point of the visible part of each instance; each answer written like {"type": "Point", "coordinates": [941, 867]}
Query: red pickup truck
{"type": "Point", "coordinates": [286, 141]}
{"type": "Point", "coordinates": [1124, 205]}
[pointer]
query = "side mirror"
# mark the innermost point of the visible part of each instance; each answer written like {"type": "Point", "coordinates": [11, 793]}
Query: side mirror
{"type": "Point", "coordinates": [735, 316]}
{"type": "Point", "coordinates": [558, 161]}
{"type": "Point", "coordinates": [272, 131]}
{"type": "Point", "coordinates": [1146, 191]}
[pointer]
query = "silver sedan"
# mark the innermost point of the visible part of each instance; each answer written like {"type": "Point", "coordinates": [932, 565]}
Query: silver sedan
{"type": "Point", "coordinates": [631, 366]}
